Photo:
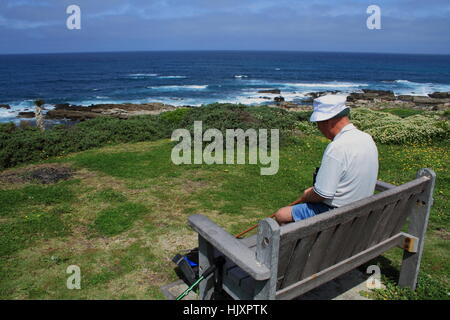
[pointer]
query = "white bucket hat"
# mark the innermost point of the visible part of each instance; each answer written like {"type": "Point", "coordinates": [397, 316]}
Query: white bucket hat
{"type": "Point", "coordinates": [326, 107]}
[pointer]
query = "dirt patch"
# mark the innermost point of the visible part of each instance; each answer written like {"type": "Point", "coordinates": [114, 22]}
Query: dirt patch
{"type": "Point", "coordinates": [45, 174]}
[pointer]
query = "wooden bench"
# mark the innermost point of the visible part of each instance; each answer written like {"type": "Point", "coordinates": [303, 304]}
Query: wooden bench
{"type": "Point", "coordinates": [285, 262]}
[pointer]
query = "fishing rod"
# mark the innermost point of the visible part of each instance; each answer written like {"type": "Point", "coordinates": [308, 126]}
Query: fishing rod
{"type": "Point", "coordinates": [239, 235]}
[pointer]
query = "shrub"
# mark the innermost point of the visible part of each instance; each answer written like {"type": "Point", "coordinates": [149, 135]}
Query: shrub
{"type": "Point", "coordinates": [21, 145]}
{"type": "Point", "coordinates": [391, 129]}
{"type": "Point", "coordinates": [308, 128]}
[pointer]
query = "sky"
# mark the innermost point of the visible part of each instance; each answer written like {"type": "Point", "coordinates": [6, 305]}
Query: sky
{"type": "Point", "coordinates": [407, 26]}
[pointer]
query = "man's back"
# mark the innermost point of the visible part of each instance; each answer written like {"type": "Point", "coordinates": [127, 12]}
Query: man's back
{"type": "Point", "coordinates": [349, 168]}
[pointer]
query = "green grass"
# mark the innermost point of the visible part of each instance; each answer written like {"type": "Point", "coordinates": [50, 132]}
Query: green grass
{"type": "Point", "coordinates": [15, 200]}
{"type": "Point", "coordinates": [124, 216]}
{"type": "Point", "coordinates": [115, 220]}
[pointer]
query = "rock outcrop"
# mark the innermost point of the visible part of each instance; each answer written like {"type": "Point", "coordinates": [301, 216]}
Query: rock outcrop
{"type": "Point", "coordinates": [440, 95]}
{"type": "Point", "coordinates": [372, 95]}
{"type": "Point", "coordinates": [122, 111]}
{"type": "Point", "coordinates": [273, 91]}
{"type": "Point", "coordinates": [26, 115]}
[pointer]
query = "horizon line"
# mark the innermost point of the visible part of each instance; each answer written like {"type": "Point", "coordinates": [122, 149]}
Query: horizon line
{"type": "Point", "coordinates": [223, 50]}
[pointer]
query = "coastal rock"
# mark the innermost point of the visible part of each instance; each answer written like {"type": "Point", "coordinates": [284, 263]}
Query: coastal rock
{"type": "Point", "coordinates": [315, 95]}
{"type": "Point", "coordinates": [424, 100]}
{"type": "Point", "coordinates": [122, 111]}
{"type": "Point", "coordinates": [368, 94]}
{"type": "Point", "coordinates": [288, 105]}
{"type": "Point", "coordinates": [440, 95]}
{"type": "Point", "coordinates": [405, 98]}
{"type": "Point", "coordinates": [279, 99]}
{"type": "Point", "coordinates": [273, 91]}
{"type": "Point", "coordinates": [61, 105]}
{"type": "Point", "coordinates": [441, 107]}
{"type": "Point", "coordinates": [5, 106]}
{"type": "Point", "coordinates": [26, 114]}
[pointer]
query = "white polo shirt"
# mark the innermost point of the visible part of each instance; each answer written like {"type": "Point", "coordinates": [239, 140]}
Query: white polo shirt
{"type": "Point", "coordinates": [349, 168]}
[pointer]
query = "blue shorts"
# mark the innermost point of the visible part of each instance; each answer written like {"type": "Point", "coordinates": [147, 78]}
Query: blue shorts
{"type": "Point", "coordinates": [307, 210]}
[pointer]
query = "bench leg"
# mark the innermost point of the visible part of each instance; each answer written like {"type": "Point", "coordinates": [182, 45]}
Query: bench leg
{"type": "Point", "coordinates": [205, 259]}
{"type": "Point", "coordinates": [417, 227]}
{"type": "Point", "coordinates": [267, 249]}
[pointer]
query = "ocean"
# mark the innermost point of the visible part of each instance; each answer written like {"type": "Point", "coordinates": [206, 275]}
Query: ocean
{"type": "Point", "coordinates": [202, 77]}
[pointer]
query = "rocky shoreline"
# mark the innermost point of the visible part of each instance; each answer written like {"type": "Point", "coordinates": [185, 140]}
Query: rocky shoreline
{"type": "Point", "coordinates": [375, 99]}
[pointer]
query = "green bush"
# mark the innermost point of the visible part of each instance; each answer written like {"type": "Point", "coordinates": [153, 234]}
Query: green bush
{"type": "Point", "coordinates": [21, 145]}
{"type": "Point", "coordinates": [308, 128]}
{"type": "Point", "coordinates": [391, 129]}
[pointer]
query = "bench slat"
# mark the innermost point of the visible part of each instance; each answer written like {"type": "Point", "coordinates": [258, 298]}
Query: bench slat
{"type": "Point", "coordinates": [370, 228]}
{"type": "Point", "coordinates": [340, 236]}
{"type": "Point", "coordinates": [285, 256]}
{"type": "Point", "coordinates": [317, 251]}
{"type": "Point", "coordinates": [380, 233]}
{"type": "Point", "coordinates": [298, 260]}
{"type": "Point", "coordinates": [352, 241]}
{"type": "Point", "coordinates": [382, 186]}
{"type": "Point", "coordinates": [404, 209]}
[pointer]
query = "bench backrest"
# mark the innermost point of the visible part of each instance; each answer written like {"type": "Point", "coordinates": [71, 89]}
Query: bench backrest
{"type": "Point", "coordinates": [312, 245]}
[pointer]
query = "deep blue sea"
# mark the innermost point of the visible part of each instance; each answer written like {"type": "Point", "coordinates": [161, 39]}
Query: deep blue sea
{"type": "Point", "coordinates": [196, 78]}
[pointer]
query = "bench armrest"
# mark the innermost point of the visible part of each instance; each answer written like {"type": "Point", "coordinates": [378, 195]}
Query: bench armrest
{"type": "Point", "coordinates": [382, 186]}
{"type": "Point", "coordinates": [228, 245]}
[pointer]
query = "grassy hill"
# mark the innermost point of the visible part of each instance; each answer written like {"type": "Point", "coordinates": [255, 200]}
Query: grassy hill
{"type": "Point", "coordinates": [122, 214]}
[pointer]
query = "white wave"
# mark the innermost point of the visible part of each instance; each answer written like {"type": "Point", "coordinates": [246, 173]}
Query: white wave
{"type": "Point", "coordinates": [142, 75]}
{"type": "Point", "coordinates": [5, 113]}
{"type": "Point", "coordinates": [240, 76]}
{"type": "Point", "coordinates": [180, 87]}
{"type": "Point", "coordinates": [327, 85]}
{"type": "Point", "coordinates": [172, 77]}
{"type": "Point", "coordinates": [407, 87]}
{"type": "Point", "coordinates": [21, 105]}
{"type": "Point", "coordinates": [308, 86]}
{"type": "Point", "coordinates": [403, 81]}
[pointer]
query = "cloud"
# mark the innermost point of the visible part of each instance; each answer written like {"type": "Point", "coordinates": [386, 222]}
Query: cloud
{"type": "Point", "coordinates": [412, 26]}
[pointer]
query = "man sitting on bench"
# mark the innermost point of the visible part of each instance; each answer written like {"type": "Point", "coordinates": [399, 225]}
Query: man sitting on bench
{"type": "Point", "coordinates": [349, 167]}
